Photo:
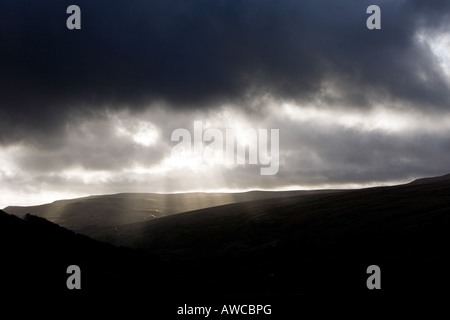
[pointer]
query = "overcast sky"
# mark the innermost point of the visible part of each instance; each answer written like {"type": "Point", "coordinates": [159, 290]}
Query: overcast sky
{"type": "Point", "coordinates": [91, 111]}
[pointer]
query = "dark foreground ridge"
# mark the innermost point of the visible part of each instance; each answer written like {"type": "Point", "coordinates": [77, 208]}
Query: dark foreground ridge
{"type": "Point", "coordinates": [36, 254]}
{"type": "Point", "coordinates": [313, 246]}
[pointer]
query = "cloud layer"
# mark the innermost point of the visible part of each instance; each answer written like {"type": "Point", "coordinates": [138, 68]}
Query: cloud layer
{"type": "Point", "coordinates": [92, 110]}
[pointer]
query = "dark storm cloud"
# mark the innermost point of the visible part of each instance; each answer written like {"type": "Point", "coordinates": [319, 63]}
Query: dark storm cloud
{"type": "Point", "coordinates": [199, 54]}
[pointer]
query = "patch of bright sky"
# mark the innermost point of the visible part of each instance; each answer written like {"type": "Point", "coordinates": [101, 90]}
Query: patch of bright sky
{"type": "Point", "coordinates": [141, 132]}
{"type": "Point", "coordinates": [84, 176]}
{"type": "Point", "coordinates": [440, 46]}
{"type": "Point", "coordinates": [376, 119]}
{"type": "Point", "coordinates": [7, 154]}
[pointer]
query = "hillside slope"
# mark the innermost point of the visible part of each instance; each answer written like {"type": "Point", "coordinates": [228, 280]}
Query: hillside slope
{"type": "Point", "coordinates": [317, 243]}
{"type": "Point", "coordinates": [90, 213]}
{"type": "Point", "coordinates": [287, 249]}
{"type": "Point", "coordinates": [36, 254]}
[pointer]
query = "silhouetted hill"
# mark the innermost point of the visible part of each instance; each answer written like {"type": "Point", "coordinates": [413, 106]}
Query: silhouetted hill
{"type": "Point", "coordinates": [285, 249]}
{"type": "Point", "coordinates": [443, 178]}
{"type": "Point", "coordinates": [36, 253]}
{"type": "Point", "coordinates": [310, 244]}
{"type": "Point", "coordinates": [90, 213]}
